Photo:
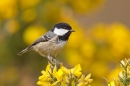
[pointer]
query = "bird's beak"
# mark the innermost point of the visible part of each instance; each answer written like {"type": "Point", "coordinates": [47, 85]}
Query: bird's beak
{"type": "Point", "coordinates": [72, 30]}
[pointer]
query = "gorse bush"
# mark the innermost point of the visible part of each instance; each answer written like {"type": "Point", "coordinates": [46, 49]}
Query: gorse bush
{"type": "Point", "coordinates": [124, 75]}
{"type": "Point", "coordinates": [74, 77]}
{"type": "Point", "coordinates": [64, 77]}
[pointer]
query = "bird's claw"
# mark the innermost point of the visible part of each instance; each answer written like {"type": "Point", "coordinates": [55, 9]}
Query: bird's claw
{"type": "Point", "coordinates": [54, 62]}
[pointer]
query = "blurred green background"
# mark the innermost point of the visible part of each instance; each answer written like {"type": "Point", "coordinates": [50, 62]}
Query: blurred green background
{"type": "Point", "coordinates": [102, 36]}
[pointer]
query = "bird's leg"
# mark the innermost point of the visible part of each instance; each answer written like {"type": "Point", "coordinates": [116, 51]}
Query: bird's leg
{"type": "Point", "coordinates": [57, 64]}
{"type": "Point", "coordinates": [53, 61]}
{"type": "Point", "coordinates": [50, 59]}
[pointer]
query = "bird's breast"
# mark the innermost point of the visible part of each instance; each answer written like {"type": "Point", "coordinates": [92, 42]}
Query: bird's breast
{"type": "Point", "coordinates": [49, 48]}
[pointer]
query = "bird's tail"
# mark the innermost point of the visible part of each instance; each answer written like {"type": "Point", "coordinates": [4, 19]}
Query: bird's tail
{"type": "Point", "coordinates": [22, 52]}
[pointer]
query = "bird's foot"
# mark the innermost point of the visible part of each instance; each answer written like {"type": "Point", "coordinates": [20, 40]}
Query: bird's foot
{"type": "Point", "coordinates": [54, 62]}
{"type": "Point", "coordinates": [57, 63]}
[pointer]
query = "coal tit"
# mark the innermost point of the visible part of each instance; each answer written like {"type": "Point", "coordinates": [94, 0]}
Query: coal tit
{"type": "Point", "coordinates": [51, 43]}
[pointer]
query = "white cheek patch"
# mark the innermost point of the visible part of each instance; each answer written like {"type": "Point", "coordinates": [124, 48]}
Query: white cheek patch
{"type": "Point", "coordinates": [60, 31]}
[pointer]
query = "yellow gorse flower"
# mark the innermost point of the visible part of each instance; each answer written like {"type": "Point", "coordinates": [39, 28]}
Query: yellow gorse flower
{"type": "Point", "coordinates": [124, 75]}
{"type": "Point", "coordinates": [64, 77]}
{"type": "Point", "coordinates": [112, 83]}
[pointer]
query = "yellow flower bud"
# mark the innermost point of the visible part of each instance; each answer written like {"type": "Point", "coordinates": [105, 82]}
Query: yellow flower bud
{"type": "Point", "coordinates": [88, 77]}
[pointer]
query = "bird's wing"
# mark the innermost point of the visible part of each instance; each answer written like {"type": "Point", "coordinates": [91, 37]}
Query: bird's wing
{"type": "Point", "coordinates": [41, 39]}
{"type": "Point", "coordinates": [48, 36]}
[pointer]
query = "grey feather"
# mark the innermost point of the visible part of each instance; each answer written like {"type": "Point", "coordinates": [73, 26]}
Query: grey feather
{"type": "Point", "coordinates": [23, 51]}
{"type": "Point", "coordinates": [48, 36]}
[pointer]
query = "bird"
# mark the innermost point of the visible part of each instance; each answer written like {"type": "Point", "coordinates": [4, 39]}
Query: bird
{"type": "Point", "coordinates": [52, 42]}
